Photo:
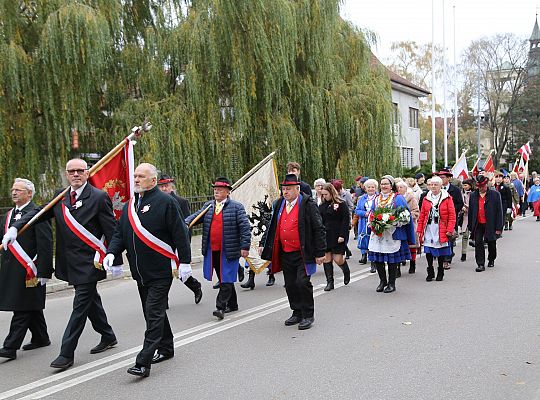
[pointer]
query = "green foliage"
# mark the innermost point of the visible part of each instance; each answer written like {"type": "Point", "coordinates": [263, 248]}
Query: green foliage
{"type": "Point", "coordinates": [224, 82]}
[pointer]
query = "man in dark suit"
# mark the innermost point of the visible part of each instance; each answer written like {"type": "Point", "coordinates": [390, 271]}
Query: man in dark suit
{"type": "Point", "coordinates": [22, 287]}
{"type": "Point", "coordinates": [166, 185]}
{"type": "Point", "coordinates": [84, 215]}
{"type": "Point", "coordinates": [155, 236]}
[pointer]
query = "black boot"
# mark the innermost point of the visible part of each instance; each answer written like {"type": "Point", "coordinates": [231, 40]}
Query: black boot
{"type": "Point", "coordinates": [363, 260]}
{"type": "Point", "coordinates": [373, 268]}
{"type": "Point", "coordinates": [464, 257]}
{"type": "Point", "coordinates": [217, 285]}
{"type": "Point", "coordinates": [412, 267]}
{"type": "Point", "coordinates": [346, 273]}
{"type": "Point", "coordinates": [382, 276]}
{"type": "Point", "coordinates": [398, 271]}
{"type": "Point", "coordinates": [271, 280]}
{"type": "Point", "coordinates": [440, 274]}
{"type": "Point", "coordinates": [329, 272]}
{"type": "Point", "coordinates": [250, 283]}
{"type": "Point", "coordinates": [430, 273]}
{"type": "Point", "coordinates": [392, 274]}
{"type": "Point", "coordinates": [241, 274]}
{"type": "Point", "coordinates": [506, 226]}
{"type": "Point", "coordinates": [510, 225]}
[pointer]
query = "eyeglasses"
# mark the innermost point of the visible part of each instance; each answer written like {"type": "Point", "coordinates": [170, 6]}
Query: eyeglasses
{"type": "Point", "coordinates": [79, 171]}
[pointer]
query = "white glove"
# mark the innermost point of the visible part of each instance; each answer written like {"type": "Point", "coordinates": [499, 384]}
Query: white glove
{"type": "Point", "coordinates": [184, 272]}
{"type": "Point", "coordinates": [508, 210]}
{"type": "Point", "coordinates": [43, 281]}
{"type": "Point", "coordinates": [116, 271]}
{"type": "Point", "coordinates": [9, 237]}
{"type": "Point", "coordinates": [108, 262]}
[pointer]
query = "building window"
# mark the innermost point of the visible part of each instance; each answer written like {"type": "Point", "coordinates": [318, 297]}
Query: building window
{"type": "Point", "coordinates": [395, 115]}
{"type": "Point", "coordinates": [413, 117]}
{"type": "Point", "coordinates": [407, 157]}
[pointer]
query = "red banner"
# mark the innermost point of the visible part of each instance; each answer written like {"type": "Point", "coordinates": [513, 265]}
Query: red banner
{"type": "Point", "coordinates": [116, 178]}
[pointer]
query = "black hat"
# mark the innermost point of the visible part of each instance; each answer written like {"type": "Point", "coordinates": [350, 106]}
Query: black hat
{"type": "Point", "coordinates": [164, 179]}
{"type": "Point", "coordinates": [481, 180]}
{"type": "Point", "coordinates": [419, 175]}
{"type": "Point", "coordinates": [290, 180]}
{"type": "Point", "coordinates": [222, 182]}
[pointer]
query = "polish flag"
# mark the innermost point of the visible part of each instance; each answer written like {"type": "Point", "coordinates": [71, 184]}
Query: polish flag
{"type": "Point", "coordinates": [489, 166]}
{"type": "Point", "coordinates": [460, 170]}
{"type": "Point", "coordinates": [525, 151]}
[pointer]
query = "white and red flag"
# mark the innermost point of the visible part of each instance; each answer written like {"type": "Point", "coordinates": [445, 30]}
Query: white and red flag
{"type": "Point", "coordinates": [116, 177]}
{"type": "Point", "coordinates": [460, 170]}
{"type": "Point", "coordinates": [525, 151]}
{"type": "Point", "coordinates": [489, 167]}
{"type": "Point", "coordinates": [475, 170]}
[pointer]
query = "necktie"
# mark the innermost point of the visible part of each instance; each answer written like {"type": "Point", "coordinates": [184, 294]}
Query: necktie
{"type": "Point", "coordinates": [289, 207]}
{"type": "Point", "coordinates": [218, 208]}
{"type": "Point", "coordinates": [73, 197]}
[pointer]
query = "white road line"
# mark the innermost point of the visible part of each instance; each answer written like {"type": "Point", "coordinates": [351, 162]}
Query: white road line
{"type": "Point", "coordinates": [129, 352]}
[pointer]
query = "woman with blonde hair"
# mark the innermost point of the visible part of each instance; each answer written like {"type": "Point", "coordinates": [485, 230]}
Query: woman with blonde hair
{"type": "Point", "coordinates": [336, 218]}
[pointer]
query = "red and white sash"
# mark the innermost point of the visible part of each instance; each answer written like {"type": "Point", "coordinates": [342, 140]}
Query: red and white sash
{"type": "Point", "coordinates": [150, 240]}
{"type": "Point", "coordinates": [82, 233]}
{"type": "Point", "coordinates": [23, 257]}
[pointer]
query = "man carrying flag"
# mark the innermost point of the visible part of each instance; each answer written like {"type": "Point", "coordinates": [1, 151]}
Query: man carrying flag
{"type": "Point", "coordinates": [155, 236]}
{"type": "Point", "coordinates": [84, 223]}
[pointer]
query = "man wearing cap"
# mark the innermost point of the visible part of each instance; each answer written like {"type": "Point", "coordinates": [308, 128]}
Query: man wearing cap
{"type": "Point", "coordinates": [166, 185]}
{"type": "Point", "coordinates": [226, 237]}
{"type": "Point", "coordinates": [485, 222]}
{"type": "Point", "coordinates": [506, 196]}
{"type": "Point", "coordinates": [295, 242]}
{"type": "Point", "coordinates": [155, 237]}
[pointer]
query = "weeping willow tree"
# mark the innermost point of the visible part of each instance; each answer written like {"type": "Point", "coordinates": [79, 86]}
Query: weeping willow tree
{"type": "Point", "coordinates": [224, 83]}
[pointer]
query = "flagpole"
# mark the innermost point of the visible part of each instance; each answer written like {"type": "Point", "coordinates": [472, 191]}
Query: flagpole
{"type": "Point", "coordinates": [136, 132]}
{"type": "Point", "coordinates": [244, 178]}
{"type": "Point", "coordinates": [445, 122]}
{"type": "Point", "coordinates": [456, 133]}
{"type": "Point", "coordinates": [433, 131]}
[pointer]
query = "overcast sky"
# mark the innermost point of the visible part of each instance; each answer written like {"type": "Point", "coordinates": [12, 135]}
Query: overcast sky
{"type": "Point", "coordinates": [398, 20]}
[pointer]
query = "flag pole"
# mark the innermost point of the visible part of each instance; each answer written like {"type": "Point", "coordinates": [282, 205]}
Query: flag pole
{"type": "Point", "coordinates": [244, 178]}
{"type": "Point", "coordinates": [136, 132]}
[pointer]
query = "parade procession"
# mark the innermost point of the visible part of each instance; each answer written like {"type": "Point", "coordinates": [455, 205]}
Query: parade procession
{"type": "Point", "coordinates": [244, 199]}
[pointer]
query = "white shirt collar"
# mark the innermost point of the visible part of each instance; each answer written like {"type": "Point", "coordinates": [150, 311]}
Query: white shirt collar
{"type": "Point", "coordinates": [79, 190]}
{"type": "Point", "coordinates": [21, 207]}
{"type": "Point", "coordinates": [292, 203]}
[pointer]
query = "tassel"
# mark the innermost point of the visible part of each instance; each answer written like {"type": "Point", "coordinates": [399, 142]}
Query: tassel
{"type": "Point", "coordinates": [32, 282]}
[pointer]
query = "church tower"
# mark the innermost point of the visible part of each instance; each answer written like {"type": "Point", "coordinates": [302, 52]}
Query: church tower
{"type": "Point", "coordinates": [533, 62]}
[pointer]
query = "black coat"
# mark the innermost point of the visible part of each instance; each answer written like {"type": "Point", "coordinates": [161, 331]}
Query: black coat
{"type": "Point", "coordinates": [36, 240]}
{"type": "Point", "coordinates": [184, 208]}
{"type": "Point", "coordinates": [159, 214]}
{"type": "Point", "coordinates": [457, 198]}
{"type": "Point", "coordinates": [310, 227]}
{"type": "Point", "coordinates": [506, 196]}
{"type": "Point", "coordinates": [305, 188]}
{"type": "Point", "coordinates": [335, 221]}
{"type": "Point", "coordinates": [236, 227]}
{"type": "Point", "coordinates": [493, 210]}
{"type": "Point", "coordinates": [74, 262]}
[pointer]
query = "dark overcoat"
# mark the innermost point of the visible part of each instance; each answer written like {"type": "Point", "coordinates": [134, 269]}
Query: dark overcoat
{"type": "Point", "coordinates": [493, 210]}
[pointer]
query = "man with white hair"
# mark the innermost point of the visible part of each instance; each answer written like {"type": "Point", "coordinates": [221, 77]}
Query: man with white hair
{"type": "Point", "coordinates": [26, 267]}
{"type": "Point", "coordinates": [156, 238]}
{"type": "Point", "coordinates": [84, 220]}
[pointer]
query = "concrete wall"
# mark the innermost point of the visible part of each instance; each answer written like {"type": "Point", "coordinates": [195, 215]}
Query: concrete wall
{"type": "Point", "coordinates": [407, 137]}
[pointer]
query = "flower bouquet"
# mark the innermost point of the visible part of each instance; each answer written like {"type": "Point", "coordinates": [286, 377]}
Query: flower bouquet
{"type": "Point", "coordinates": [384, 218]}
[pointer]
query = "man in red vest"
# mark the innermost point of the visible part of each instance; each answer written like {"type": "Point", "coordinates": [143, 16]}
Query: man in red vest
{"type": "Point", "coordinates": [295, 241]}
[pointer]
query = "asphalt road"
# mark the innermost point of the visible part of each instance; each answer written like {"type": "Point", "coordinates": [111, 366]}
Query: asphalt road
{"type": "Point", "coordinates": [472, 336]}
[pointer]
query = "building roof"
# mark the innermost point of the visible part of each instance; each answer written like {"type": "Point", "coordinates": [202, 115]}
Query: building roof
{"type": "Point", "coordinates": [536, 31]}
{"type": "Point", "coordinates": [399, 82]}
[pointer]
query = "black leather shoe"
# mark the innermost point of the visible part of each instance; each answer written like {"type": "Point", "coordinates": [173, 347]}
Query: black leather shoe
{"type": "Point", "coordinates": [463, 257]}
{"type": "Point", "coordinates": [373, 269]}
{"type": "Point", "coordinates": [241, 274]}
{"type": "Point", "coordinates": [390, 288]}
{"type": "Point", "coordinates": [198, 295]}
{"type": "Point", "coordinates": [363, 260]}
{"type": "Point", "coordinates": [10, 354]}
{"type": "Point", "coordinates": [480, 268]}
{"type": "Point", "coordinates": [62, 362]}
{"type": "Point", "coordinates": [33, 346]}
{"type": "Point", "coordinates": [293, 320]}
{"type": "Point", "coordinates": [158, 357]}
{"type": "Point", "coordinates": [306, 323]}
{"type": "Point", "coordinates": [220, 314]}
{"type": "Point", "coordinates": [139, 370]}
{"type": "Point", "coordinates": [217, 285]}
{"type": "Point", "coordinates": [381, 286]}
{"type": "Point", "coordinates": [491, 264]}
{"type": "Point", "coordinates": [102, 346]}
{"type": "Point", "coordinates": [230, 309]}
{"type": "Point", "coordinates": [271, 280]}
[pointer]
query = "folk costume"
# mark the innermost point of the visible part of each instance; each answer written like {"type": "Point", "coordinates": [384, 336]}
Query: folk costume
{"type": "Point", "coordinates": [363, 209]}
{"type": "Point", "coordinates": [226, 231]}
{"type": "Point", "coordinates": [392, 247]}
{"type": "Point", "coordinates": [84, 221]}
{"type": "Point", "coordinates": [533, 198]}
{"type": "Point", "coordinates": [26, 260]}
{"type": "Point", "coordinates": [292, 241]}
{"type": "Point", "coordinates": [156, 239]}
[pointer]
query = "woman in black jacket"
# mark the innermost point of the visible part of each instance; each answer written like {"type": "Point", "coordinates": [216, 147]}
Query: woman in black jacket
{"type": "Point", "coordinates": [336, 219]}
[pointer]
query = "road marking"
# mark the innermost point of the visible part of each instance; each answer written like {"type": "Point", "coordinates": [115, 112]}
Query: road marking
{"type": "Point", "coordinates": [217, 327]}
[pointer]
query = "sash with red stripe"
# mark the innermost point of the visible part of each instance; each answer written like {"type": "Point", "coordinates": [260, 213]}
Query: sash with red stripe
{"type": "Point", "coordinates": [82, 233]}
{"type": "Point", "coordinates": [150, 240]}
{"type": "Point", "coordinates": [23, 257]}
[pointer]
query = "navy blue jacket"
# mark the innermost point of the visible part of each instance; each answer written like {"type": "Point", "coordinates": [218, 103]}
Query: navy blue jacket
{"type": "Point", "coordinates": [236, 227]}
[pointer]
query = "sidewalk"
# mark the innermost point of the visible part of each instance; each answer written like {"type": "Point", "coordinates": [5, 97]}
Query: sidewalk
{"type": "Point", "coordinates": [56, 285]}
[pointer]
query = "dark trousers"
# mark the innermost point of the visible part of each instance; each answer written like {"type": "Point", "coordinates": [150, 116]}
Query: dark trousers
{"type": "Point", "coordinates": [227, 293]}
{"type": "Point", "coordinates": [86, 304]}
{"type": "Point", "coordinates": [34, 321]}
{"type": "Point", "coordinates": [479, 251]}
{"type": "Point", "coordinates": [297, 284]}
{"type": "Point", "coordinates": [158, 335]}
